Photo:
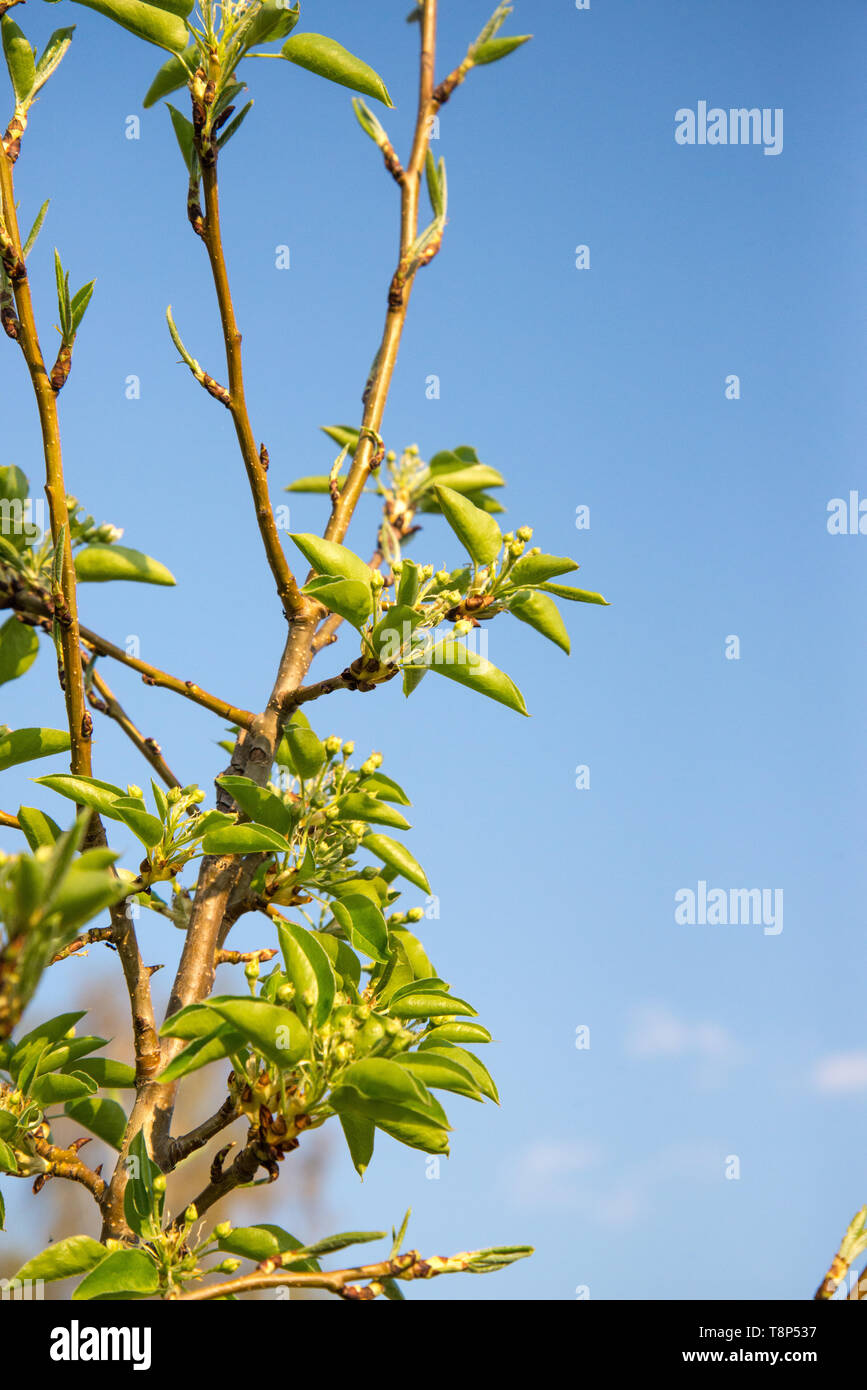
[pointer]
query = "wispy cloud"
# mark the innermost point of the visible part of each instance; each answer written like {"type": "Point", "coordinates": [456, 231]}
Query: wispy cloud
{"type": "Point", "coordinates": [657, 1032]}
{"type": "Point", "coordinates": [841, 1073]}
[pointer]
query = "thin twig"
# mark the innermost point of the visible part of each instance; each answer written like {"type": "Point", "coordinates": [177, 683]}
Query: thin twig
{"type": "Point", "coordinates": [360, 1284]}
{"type": "Point", "coordinates": [9, 821]}
{"type": "Point", "coordinates": [109, 705]}
{"type": "Point", "coordinates": [66, 604]}
{"type": "Point", "coordinates": [65, 1163]}
{"type": "Point", "coordinates": [181, 1148]}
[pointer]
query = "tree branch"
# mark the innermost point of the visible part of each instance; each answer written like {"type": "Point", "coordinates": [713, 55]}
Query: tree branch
{"type": "Point", "coordinates": [65, 1163]}
{"type": "Point", "coordinates": [360, 1284]}
{"type": "Point", "coordinates": [107, 703]}
{"type": "Point", "coordinates": [66, 605]}
{"type": "Point", "coordinates": [179, 1149]}
{"type": "Point", "coordinates": [9, 821]}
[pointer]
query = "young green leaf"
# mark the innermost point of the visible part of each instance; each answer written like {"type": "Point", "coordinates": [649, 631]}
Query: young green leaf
{"type": "Point", "coordinates": [348, 598]}
{"type": "Point", "coordinates": [173, 74]}
{"type": "Point", "coordinates": [161, 24]}
{"type": "Point", "coordinates": [20, 60]}
{"type": "Point", "coordinates": [440, 1073]}
{"type": "Point", "coordinates": [262, 806]}
{"type": "Point", "coordinates": [346, 436]}
{"type": "Point", "coordinates": [478, 533]}
{"type": "Point", "coordinates": [363, 806]}
{"type": "Point", "coordinates": [495, 49]}
{"type": "Point", "coordinates": [143, 825]}
{"type": "Point", "coordinates": [468, 1060]}
{"type": "Point", "coordinates": [99, 564]}
{"type": "Point", "coordinates": [307, 751]}
{"type": "Point", "coordinates": [428, 1004]}
{"type": "Point", "coordinates": [359, 1133]}
{"type": "Point", "coordinates": [278, 1034]}
{"type": "Point", "coordinates": [309, 970]}
{"type": "Point", "coordinates": [395, 854]}
{"type": "Point", "coordinates": [329, 558]}
{"type": "Point", "coordinates": [75, 1255]}
{"type": "Point", "coordinates": [364, 924]}
{"type": "Point", "coordinates": [19, 648]}
{"type": "Point", "coordinates": [123, 1275]}
{"type": "Point", "coordinates": [58, 1086]}
{"type": "Point", "coordinates": [274, 20]}
{"type": "Point", "coordinates": [535, 569]}
{"type": "Point", "coordinates": [52, 56]}
{"type": "Point", "coordinates": [22, 745]}
{"type": "Point", "coordinates": [107, 1073]}
{"type": "Point", "coordinates": [86, 791]}
{"type": "Point", "coordinates": [264, 1242]}
{"type": "Point", "coordinates": [329, 59]}
{"type": "Point", "coordinates": [575, 595]}
{"type": "Point", "coordinates": [38, 828]}
{"type": "Point", "coordinates": [540, 612]}
{"type": "Point", "coordinates": [468, 668]}
{"type": "Point", "coordinates": [244, 839]}
{"type": "Point", "coordinates": [458, 1031]}
{"type": "Point", "coordinates": [224, 1041]}
{"type": "Point", "coordinates": [105, 1118]}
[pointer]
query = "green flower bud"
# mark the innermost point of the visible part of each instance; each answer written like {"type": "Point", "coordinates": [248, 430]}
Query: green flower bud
{"type": "Point", "coordinates": [133, 790]}
{"type": "Point", "coordinates": [393, 1026]}
{"type": "Point", "coordinates": [525, 533]}
{"type": "Point", "coordinates": [442, 576]}
{"type": "Point", "coordinates": [332, 812]}
{"type": "Point", "coordinates": [227, 1266]}
{"type": "Point", "coordinates": [390, 456]}
{"type": "Point", "coordinates": [173, 795]}
{"type": "Point", "coordinates": [285, 994]}
{"type": "Point", "coordinates": [463, 625]}
{"type": "Point", "coordinates": [415, 914]}
{"type": "Point", "coordinates": [251, 970]}
{"type": "Point", "coordinates": [332, 745]}
{"type": "Point", "coordinates": [358, 829]}
{"type": "Point", "coordinates": [362, 1011]}
{"type": "Point", "coordinates": [397, 919]}
{"type": "Point", "coordinates": [191, 1214]}
{"type": "Point", "coordinates": [159, 1183]}
{"type": "Point", "coordinates": [344, 1052]}
{"type": "Point", "coordinates": [348, 749]}
{"type": "Point", "coordinates": [223, 1229]}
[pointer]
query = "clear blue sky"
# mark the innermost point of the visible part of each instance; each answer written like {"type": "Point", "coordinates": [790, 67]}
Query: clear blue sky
{"type": "Point", "coordinates": [602, 387]}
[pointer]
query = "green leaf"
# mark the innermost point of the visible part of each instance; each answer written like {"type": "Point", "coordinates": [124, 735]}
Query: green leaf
{"type": "Point", "coordinates": [386, 789]}
{"type": "Point", "coordinates": [142, 1202]}
{"type": "Point", "coordinates": [99, 564]}
{"type": "Point", "coordinates": [408, 1126]}
{"type": "Point", "coordinates": [347, 598]}
{"type": "Point", "coordinates": [158, 24]}
{"type": "Point", "coordinates": [359, 1133]}
{"type": "Point", "coordinates": [243, 839]}
{"type": "Point", "coordinates": [53, 55]}
{"type": "Point", "coordinates": [184, 135]}
{"type": "Point", "coordinates": [262, 806]}
{"type": "Point", "coordinates": [80, 301]}
{"type": "Point", "coordinates": [20, 60]}
{"type": "Point", "coordinates": [468, 1060]}
{"type": "Point", "coordinates": [143, 825]}
{"type": "Point", "coordinates": [86, 791]}
{"type": "Point", "coordinates": [278, 1034]}
{"type": "Point", "coordinates": [329, 59]}
{"type": "Point", "coordinates": [478, 533]}
{"type": "Point", "coordinates": [575, 595]}
{"type": "Point", "coordinates": [22, 745]}
{"type": "Point", "coordinates": [428, 1004]}
{"type": "Point", "coordinates": [309, 970]}
{"type": "Point", "coordinates": [264, 1242]}
{"type": "Point", "coordinates": [329, 558]}
{"type": "Point", "coordinates": [364, 924]}
{"type": "Point", "coordinates": [540, 612]}
{"type": "Point", "coordinates": [273, 21]}
{"type": "Point", "coordinates": [8, 1161]}
{"type": "Point", "coordinates": [535, 569]}
{"type": "Point", "coordinates": [107, 1073]}
{"type": "Point", "coordinates": [75, 1255]}
{"type": "Point", "coordinates": [393, 631]}
{"type": "Point", "coordinates": [123, 1275]}
{"type": "Point", "coordinates": [393, 853]}
{"type": "Point", "coordinates": [363, 806]}
{"type": "Point", "coordinates": [440, 1073]}
{"type": "Point", "coordinates": [344, 960]}
{"type": "Point", "coordinates": [412, 678]}
{"type": "Point", "coordinates": [329, 1245]}
{"type": "Point", "coordinates": [60, 1086]}
{"type": "Point", "coordinates": [234, 125]}
{"type": "Point", "coordinates": [65, 1053]}
{"type": "Point", "coordinates": [51, 1031]}
{"type": "Point", "coordinates": [173, 74]}
{"type": "Point", "coordinates": [307, 751]}
{"type": "Point", "coordinates": [314, 482]}
{"type": "Point", "coordinates": [19, 647]}
{"type": "Point", "coordinates": [415, 953]}
{"type": "Point", "coordinates": [379, 1079]}
{"type": "Point", "coordinates": [346, 436]}
{"type": "Point", "coordinates": [105, 1118]}
{"type": "Point", "coordinates": [468, 668]}
{"type": "Point", "coordinates": [38, 828]}
{"type": "Point", "coordinates": [495, 49]}
{"type": "Point", "coordinates": [458, 1031]}
{"type": "Point", "coordinates": [222, 1042]}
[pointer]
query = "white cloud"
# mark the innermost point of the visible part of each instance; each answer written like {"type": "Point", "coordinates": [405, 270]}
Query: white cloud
{"type": "Point", "coordinates": [841, 1073]}
{"type": "Point", "coordinates": [657, 1032]}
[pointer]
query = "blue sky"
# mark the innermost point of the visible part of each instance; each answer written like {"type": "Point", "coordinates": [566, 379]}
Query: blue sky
{"type": "Point", "coordinates": [603, 388]}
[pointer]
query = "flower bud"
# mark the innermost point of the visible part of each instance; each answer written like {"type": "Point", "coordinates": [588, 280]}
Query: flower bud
{"type": "Point", "coordinates": [159, 1182]}
{"type": "Point", "coordinates": [223, 1229]}
{"type": "Point", "coordinates": [463, 625]}
{"type": "Point", "coordinates": [332, 812]}
{"type": "Point", "coordinates": [332, 745]}
{"type": "Point", "coordinates": [173, 795]}
{"type": "Point", "coordinates": [348, 749]}
{"type": "Point", "coordinates": [133, 790]}
{"type": "Point", "coordinates": [442, 576]}
{"type": "Point", "coordinates": [377, 581]}
{"type": "Point", "coordinates": [285, 994]}
{"type": "Point", "coordinates": [525, 533]}
{"type": "Point", "coordinates": [191, 1214]}
{"type": "Point", "coordinates": [251, 970]}
{"type": "Point", "coordinates": [227, 1266]}
{"type": "Point", "coordinates": [415, 914]}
